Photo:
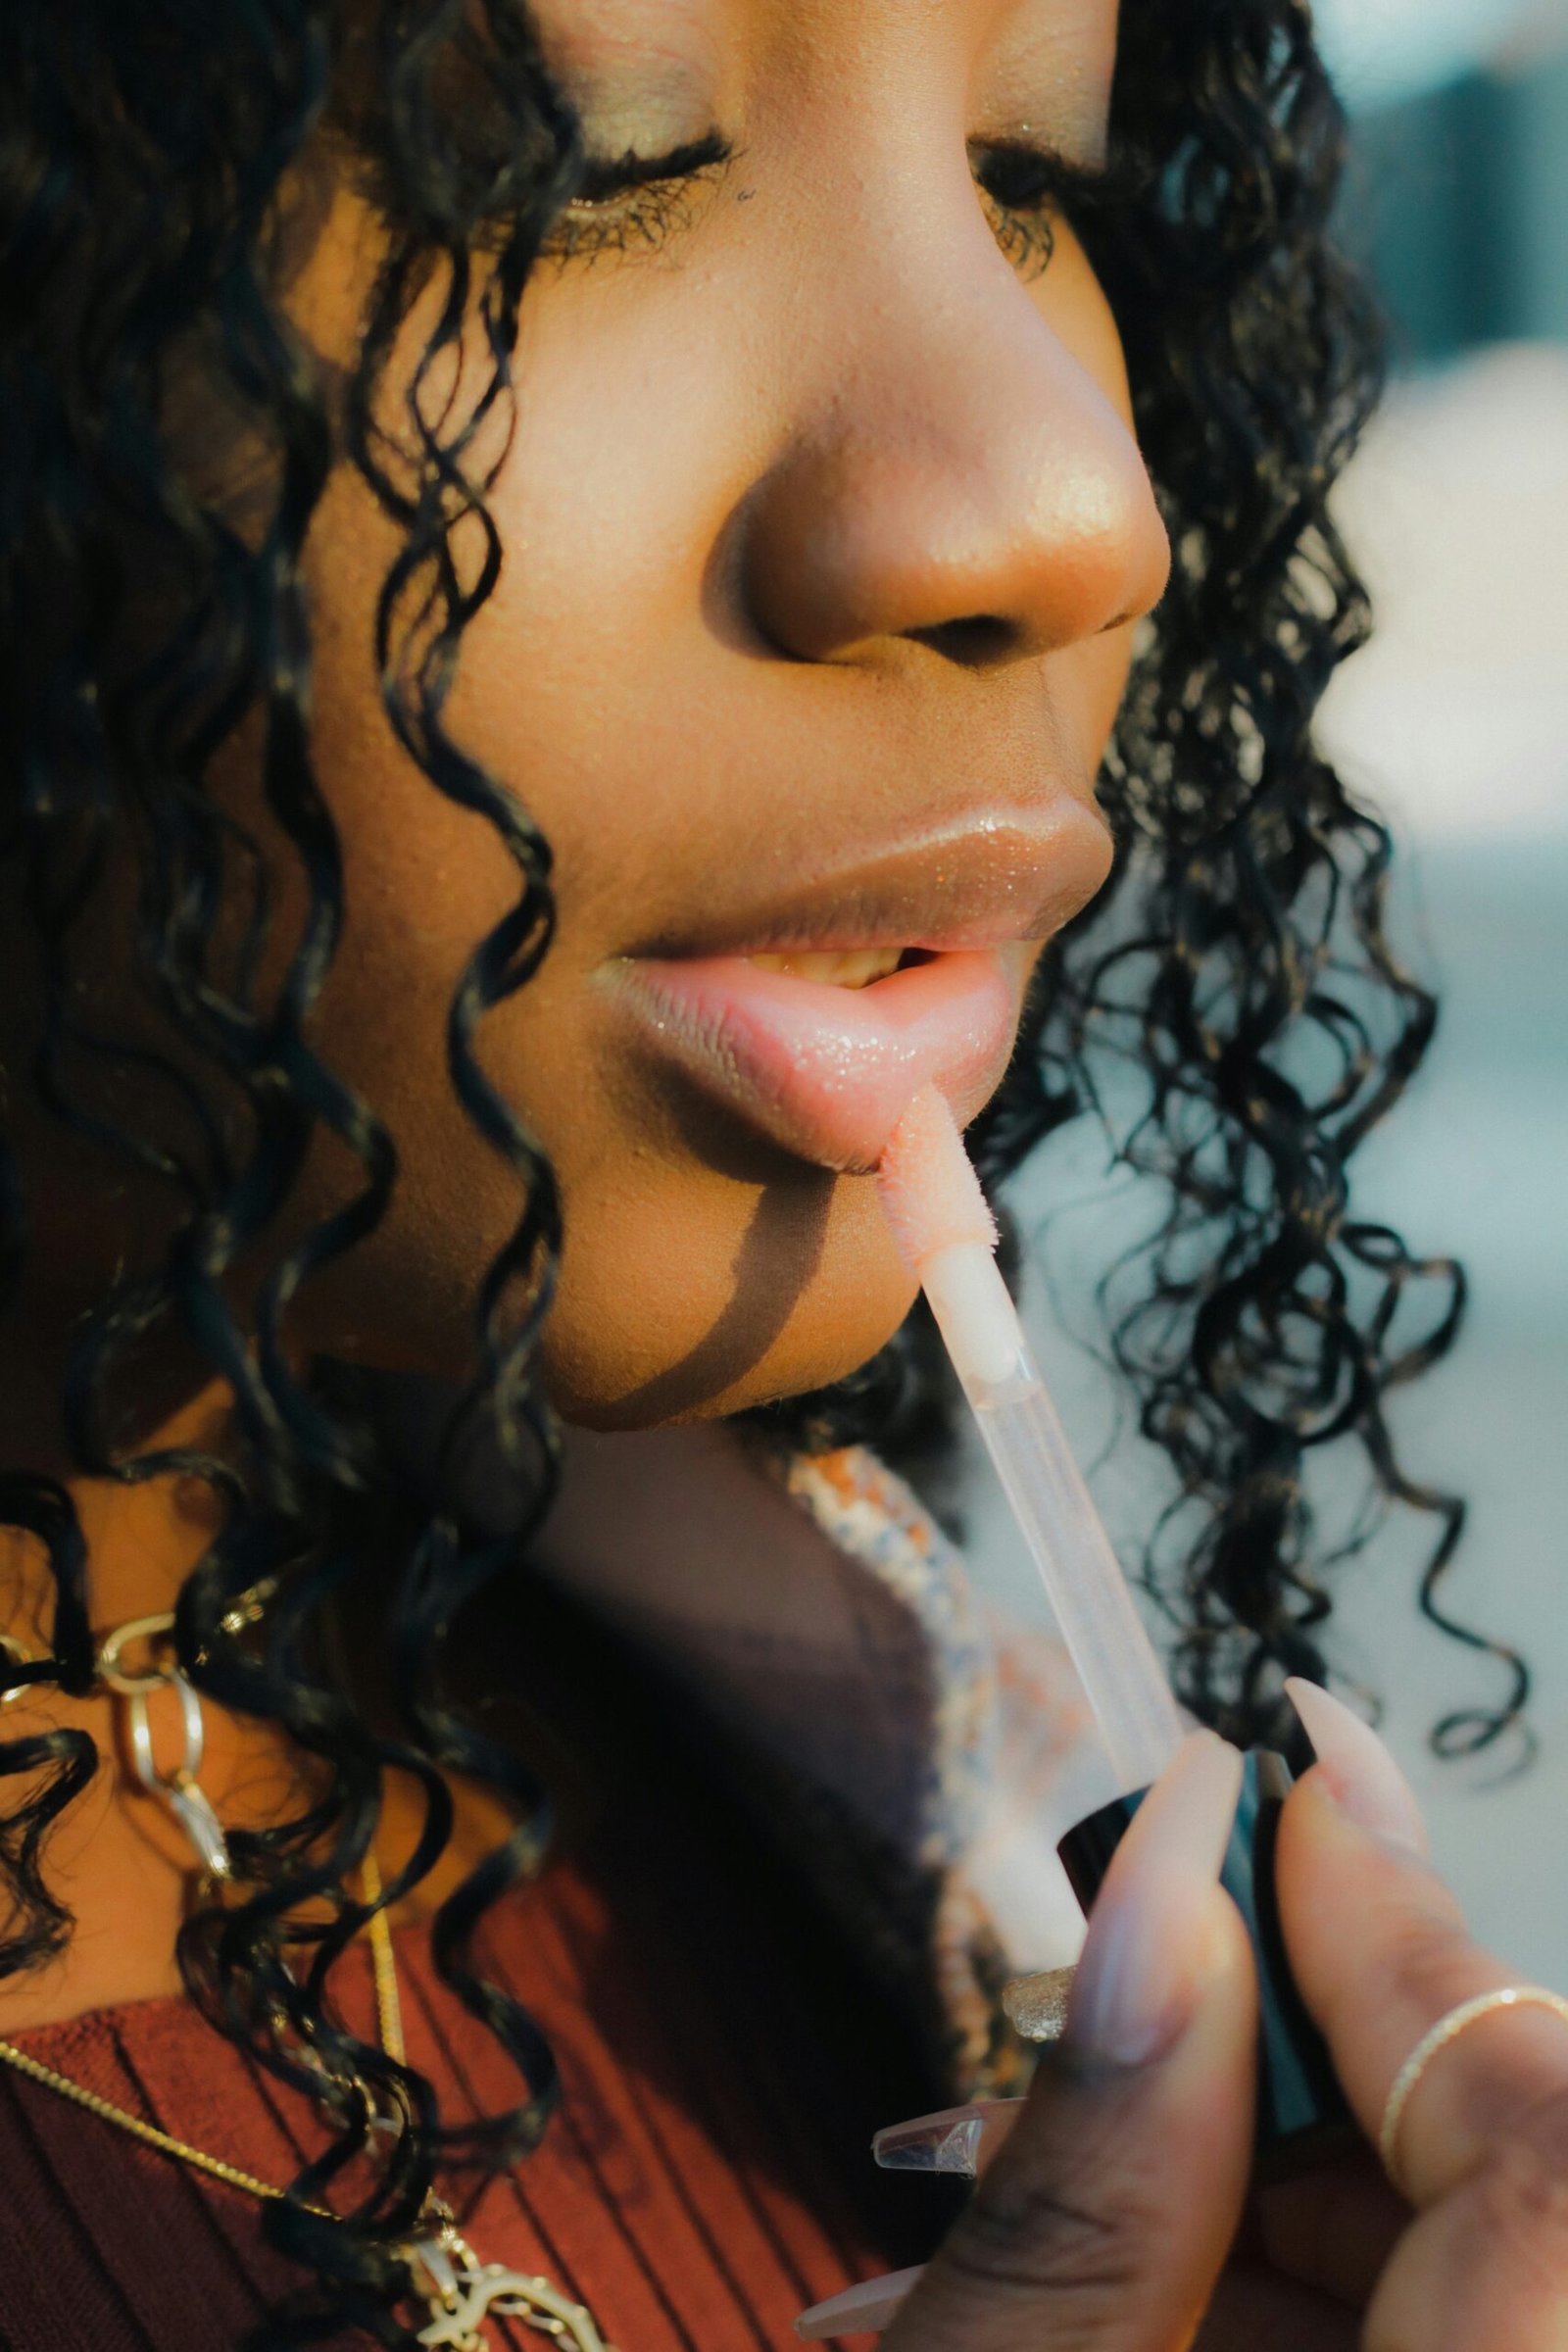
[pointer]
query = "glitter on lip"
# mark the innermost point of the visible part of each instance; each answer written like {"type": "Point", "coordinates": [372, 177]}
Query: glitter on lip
{"type": "Point", "coordinates": [824, 1070]}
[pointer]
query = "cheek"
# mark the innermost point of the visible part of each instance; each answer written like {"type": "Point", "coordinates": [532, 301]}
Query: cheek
{"type": "Point", "coordinates": [1069, 297]}
{"type": "Point", "coordinates": [686, 1287]}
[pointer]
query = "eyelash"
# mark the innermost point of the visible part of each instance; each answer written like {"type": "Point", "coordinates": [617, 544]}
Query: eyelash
{"type": "Point", "coordinates": [637, 201]}
{"type": "Point", "coordinates": [1026, 216]}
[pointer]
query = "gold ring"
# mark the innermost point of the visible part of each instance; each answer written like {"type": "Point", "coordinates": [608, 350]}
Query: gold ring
{"type": "Point", "coordinates": [1447, 2029]}
{"type": "Point", "coordinates": [1036, 2005]}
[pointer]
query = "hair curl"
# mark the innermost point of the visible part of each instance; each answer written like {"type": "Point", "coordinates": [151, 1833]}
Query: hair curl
{"type": "Point", "coordinates": [1236, 965]}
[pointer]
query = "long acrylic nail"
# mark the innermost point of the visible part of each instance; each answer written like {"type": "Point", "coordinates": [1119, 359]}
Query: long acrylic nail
{"type": "Point", "coordinates": [1358, 1769]}
{"type": "Point", "coordinates": [861, 2310]}
{"type": "Point", "coordinates": [956, 2140]}
{"type": "Point", "coordinates": [1150, 1931]}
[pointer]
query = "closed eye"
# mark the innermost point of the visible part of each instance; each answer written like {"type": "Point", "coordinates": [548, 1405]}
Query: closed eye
{"type": "Point", "coordinates": [604, 179]}
{"type": "Point", "coordinates": [634, 200]}
{"type": "Point", "coordinates": [1030, 188]}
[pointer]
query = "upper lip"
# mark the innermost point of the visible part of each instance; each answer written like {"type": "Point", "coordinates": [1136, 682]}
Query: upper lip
{"type": "Point", "coordinates": [991, 878]}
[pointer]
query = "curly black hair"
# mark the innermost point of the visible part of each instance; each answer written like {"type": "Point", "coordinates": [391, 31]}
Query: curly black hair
{"type": "Point", "coordinates": [1236, 965]}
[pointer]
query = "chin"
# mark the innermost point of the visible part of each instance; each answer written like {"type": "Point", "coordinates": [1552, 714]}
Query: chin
{"type": "Point", "coordinates": [710, 1326]}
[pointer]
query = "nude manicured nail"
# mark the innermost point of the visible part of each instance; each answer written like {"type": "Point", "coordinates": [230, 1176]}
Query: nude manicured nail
{"type": "Point", "coordinates": [956, 2140]}
{"type": "Point", "coordinates": [1358, 1769]}
{"type": "Point", "coordinates": [861, 2310]}
{"type": "Point", "coordinates": [1150, 1931]}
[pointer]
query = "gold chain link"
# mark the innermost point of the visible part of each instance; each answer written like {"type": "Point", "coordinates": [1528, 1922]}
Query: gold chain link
{"type": "Point", "coordinates": [384, 1965]}
{"type": "Point", "coordinates": [149, 2133]}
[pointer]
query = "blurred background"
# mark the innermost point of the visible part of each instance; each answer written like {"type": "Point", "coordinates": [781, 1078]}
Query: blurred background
{"type": "Point", "coordinates": [1454, 724]}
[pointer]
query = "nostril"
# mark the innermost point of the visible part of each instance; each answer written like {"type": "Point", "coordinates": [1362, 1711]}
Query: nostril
{"type": "Point", "coordinates": [974, 642]}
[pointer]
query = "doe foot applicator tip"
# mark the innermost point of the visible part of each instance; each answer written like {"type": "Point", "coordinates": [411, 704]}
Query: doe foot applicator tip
{"type": "Point", "coordinates": [943, 1226]}
{"type": "Point", "coordinates": [930, 1194]}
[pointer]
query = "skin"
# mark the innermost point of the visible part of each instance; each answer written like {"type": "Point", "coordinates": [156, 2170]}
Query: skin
{"type": "Point", "coordinates": [1116, 2219]}
{"type": "Point", "coordinates": [715, 512]}
{"type": "Point", "coordinates": [770, 474]}
{"type": "Point", "coordinates": [766, 473]}
{"type": "Point", "coordinates": [825, 527]}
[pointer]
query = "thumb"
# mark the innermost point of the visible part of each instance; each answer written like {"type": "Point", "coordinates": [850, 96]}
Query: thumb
{"type": "Point", "coordinates": [1103, 2222]}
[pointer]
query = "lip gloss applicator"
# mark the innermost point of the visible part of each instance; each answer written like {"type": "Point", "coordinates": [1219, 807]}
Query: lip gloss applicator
{"type": "Point", "coordinates": [942, 1224]}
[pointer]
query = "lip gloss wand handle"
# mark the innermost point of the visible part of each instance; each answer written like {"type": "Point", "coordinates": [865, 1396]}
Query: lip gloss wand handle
{"type": "Point", "coordinates": [1099, 1621]}
{"type": "Point", "coordinates": [940, 1219]}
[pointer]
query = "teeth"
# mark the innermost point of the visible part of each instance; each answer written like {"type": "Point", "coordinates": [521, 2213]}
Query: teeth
{"type": "Point", "coordinates": [856, 969]}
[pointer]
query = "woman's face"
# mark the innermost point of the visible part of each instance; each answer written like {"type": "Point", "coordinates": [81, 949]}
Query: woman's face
{"type": "Point", "coordinates": [823, 532]}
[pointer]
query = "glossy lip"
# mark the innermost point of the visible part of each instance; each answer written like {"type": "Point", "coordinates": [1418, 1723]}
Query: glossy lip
{"type": "Point", "coordinates": [828, 1071]}
{"type": "Point", "coordinates": [999, 877]}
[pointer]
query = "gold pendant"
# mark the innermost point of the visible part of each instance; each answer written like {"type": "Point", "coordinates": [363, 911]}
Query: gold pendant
{"type": "Point", "coordinates": [463, 2291]}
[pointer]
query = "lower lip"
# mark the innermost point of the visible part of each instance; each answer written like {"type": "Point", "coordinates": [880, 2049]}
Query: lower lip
{"type": "Point", "coordinates": [824, 1071]}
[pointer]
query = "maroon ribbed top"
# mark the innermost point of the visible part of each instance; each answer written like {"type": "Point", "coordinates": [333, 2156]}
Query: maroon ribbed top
{"type": "Point", "coordinates": [723, 2060]}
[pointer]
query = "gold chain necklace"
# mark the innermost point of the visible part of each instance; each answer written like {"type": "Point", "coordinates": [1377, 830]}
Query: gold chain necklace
{"type": "Point", "coordinates": [460, 2292]}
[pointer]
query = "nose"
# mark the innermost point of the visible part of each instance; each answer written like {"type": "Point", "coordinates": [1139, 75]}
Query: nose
{"type": "Point", "coordinates": [969, 485]}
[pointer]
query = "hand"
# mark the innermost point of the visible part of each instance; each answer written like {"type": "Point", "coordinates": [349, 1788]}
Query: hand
{"type": "Point", "coordinates": [1114, 2216]}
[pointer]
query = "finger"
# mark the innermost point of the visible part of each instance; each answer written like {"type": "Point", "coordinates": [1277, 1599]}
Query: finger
{"type": "Point", "coordinates": [1253, 2308]}
{"type": "Point", "coordinates": [1381, 1952]}
{"type": "Point", "coordinates": [958, 2140]}
{"type": "Point", "coordinates": [1103, 2221]}
{"type": "Point", "coordinates": [1487, 2267]}
{"type": "Point", "coordinates": [1333, 2229]}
